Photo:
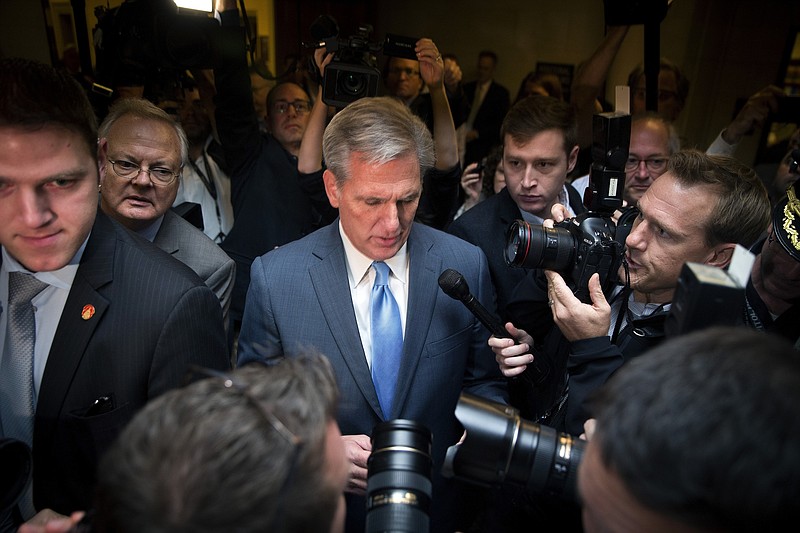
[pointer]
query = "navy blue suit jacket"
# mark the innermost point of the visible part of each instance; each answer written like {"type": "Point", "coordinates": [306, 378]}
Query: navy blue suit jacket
{"type": "Point", "coordinates": [300, 297]}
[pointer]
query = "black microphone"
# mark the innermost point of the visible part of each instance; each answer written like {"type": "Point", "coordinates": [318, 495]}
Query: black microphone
{"type": "Point", "coordinates": [454, 285]}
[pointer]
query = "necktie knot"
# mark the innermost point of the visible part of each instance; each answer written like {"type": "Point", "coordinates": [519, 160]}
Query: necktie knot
{"type": "Point", "coordinates": [381, 273]}
{"type": "Point", "coordinates": [23, 287]}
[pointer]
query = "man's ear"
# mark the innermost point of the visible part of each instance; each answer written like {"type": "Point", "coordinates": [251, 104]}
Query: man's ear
{"type": "Point", "coordinates": [331, 188]}
{"type": "Point", "coordinates": [102, 158]}
{"type": "Point", "coordinates": [721, 255]}
{"type": "Point", "coordinates": [572, 160]}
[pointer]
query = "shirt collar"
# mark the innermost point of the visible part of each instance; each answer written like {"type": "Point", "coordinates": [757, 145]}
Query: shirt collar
{"type": "Point", "coordinates": [61, 278]}
{"type": "Point", "coordinates": [563, 199]}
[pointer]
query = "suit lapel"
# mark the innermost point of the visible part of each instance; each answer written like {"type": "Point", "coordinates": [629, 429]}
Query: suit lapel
{"type": "Point", "coordinates": [329, 279]}
{"type": "Point", "coordinates": [509, 212]}
{"type": "Point", "coordinates": [75, 328]}
{"type": "Point", "coordinates": [167, 238]}
{"type": "Point", "coordinates": [423, 289]}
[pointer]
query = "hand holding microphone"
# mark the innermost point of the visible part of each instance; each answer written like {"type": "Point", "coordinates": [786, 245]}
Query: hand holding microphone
{"type": "Point", "coordinates": [455, 286]}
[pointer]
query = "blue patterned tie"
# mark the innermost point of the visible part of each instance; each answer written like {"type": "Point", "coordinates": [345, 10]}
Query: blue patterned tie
{"type": "Point", "coordinates": [387, 338]}
{"type": "Point", "coordinates": [17, 406]}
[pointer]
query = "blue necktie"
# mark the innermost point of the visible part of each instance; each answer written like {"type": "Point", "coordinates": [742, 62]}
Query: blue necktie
{"type": "Point", "coordinates": [387, 338]}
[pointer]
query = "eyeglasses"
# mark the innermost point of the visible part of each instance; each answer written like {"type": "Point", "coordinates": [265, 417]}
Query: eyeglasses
{"type": "Point", "coordinates": [271, 420]}
{"type": "Point", "coordinates": [657, 164]}
{"type": "Point", "coordinates": [663, 94]}
{"type": "Point", "coordinates": [301, 107]}
{"type": "Point", "coordinates": [158, 175]}
{"type": "Point", "coordinates": [410, 72]}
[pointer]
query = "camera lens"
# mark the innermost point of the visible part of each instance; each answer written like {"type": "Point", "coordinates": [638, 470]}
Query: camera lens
{"type": "Point", "coordinates": [500, 447]}
{"type": "Point", "coordinates": [352, 84]}
{"type": "Point", "coordinates": [539, 247]}
{"type": "Point", "coordinates": [399, 477]}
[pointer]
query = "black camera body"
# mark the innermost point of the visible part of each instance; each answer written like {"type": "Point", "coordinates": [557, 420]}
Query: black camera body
{"type": "Point", "coordinates": [150, 42]}
{"type": "Point", "coordinates": [575, 248]}
{"type": "Point", "coordinates": [353, 73]}
{"type": "Point", "coordinates": [588, 243]}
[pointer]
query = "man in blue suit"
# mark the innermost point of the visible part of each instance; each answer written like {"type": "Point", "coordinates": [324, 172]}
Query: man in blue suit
{"type": "Point", "coordinates": [316, 292]}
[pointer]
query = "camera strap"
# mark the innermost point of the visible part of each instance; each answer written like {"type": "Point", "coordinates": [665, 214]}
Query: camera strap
{"type": "Point", "coordinates": [623, 296]}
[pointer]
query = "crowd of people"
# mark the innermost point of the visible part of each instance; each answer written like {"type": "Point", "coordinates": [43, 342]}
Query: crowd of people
{"type": "Point", "coordinates": [208, 302]}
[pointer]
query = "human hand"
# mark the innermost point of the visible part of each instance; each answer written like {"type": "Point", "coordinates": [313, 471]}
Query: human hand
{"type": "Point", "coordinates": [753, 114]}
{"type": "Point", "coordinates": [322, 59]}
{"type": "Point", "coordinates": [472, 184]}
{"type": "Point", "coordinates": [452, 75]}
{"type": "Point", "coordinates": [431, 66]}
{"type": "Point", "coordinates": [575, 319]}
{"type": "Point", "coordinates": [357, 448]}
{"type": "Point", "coordinates": [558, 213]}
{"type": "Point", "coordinates": [49, 521]}
{"type": "Point", "coordinates": [588, 429]}
{"type": "Point", "coordinates": [512, 355]}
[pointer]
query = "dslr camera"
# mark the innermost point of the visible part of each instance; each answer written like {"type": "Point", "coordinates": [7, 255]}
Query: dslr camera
{"type": "Point", "coordinates": [353, 73]}
{"type": "Point", "coordinates": [590, 242]}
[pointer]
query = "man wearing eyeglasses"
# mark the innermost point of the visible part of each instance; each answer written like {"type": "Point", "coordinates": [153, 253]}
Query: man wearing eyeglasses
{"type": "Point", "coordinates": [272, 204]}
{"type": "Point", "coordinates": [95, 321]}
{"type": "Point", "coordinates": [141, 153]}
{"type": "Point", "coordinates": [653, 140]}
{"type": "Point", "coordinates": [403, 80]}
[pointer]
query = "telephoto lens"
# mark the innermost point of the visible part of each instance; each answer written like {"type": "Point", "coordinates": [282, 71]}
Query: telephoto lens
{"type": "Point", "coordinates": [500, 447]}
{"type": "Point", "coordinates": [399, 478]}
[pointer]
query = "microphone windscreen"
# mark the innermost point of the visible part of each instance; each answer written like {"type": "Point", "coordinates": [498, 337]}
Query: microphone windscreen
{"type": "Point", "coordinates": [453, 284]}
{"type": "Point", "coordinates": [324, 27]}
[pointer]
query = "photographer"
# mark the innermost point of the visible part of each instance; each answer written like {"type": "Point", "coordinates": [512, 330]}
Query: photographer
{"type": "Point", "coordinates": [271, 205]}
{"type": "Point", "coordinates": [697, 211]}
{"type": "Point", "coordinates": [440, 187]}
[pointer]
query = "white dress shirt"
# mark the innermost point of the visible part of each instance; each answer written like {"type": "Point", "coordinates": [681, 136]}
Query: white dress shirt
{"type": "Point", "coordinates": [361, 277]}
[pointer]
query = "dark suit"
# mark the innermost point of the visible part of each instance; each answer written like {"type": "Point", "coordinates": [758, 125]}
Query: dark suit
{"type": "Point", "coordinates": [270, 204]}
{"type": "Point", "coordinates": [488, 120]}
{"type": "Point", "coordinates": [486, 226]}
{"type": "Point", "coordinates": [300, 297]}
{"type": "Point", "coordinates": [153, 317]}
{"type": "Point", "coordinates": [194, 249]}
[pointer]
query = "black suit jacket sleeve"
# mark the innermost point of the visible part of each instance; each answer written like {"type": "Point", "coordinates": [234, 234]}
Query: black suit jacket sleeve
{"type": "Point", "coordinates": [439, 199]}
{"type": "Point", "coordinates": [237, 123]}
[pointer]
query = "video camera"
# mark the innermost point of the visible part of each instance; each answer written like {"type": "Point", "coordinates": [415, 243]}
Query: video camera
{"type": "Point", "coordinates": [353, 72]}
{"type": "Point", "coordinates": [590, 242]}
{"type": "Point", "coordinates": [151, 42]}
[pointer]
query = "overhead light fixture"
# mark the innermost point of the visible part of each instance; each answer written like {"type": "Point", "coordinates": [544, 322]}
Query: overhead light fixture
{"type": "Point", "coordinates": [206, 6]}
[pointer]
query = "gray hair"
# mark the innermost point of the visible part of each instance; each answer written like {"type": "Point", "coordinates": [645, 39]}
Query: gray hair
{"type": "Point", "coordinates": [139, 107]}
{"type": "Point", "coordinates": [673, 139]}
{"type": "Point", "coordinates": [378, 129]}
{"type": "Point", "coordinates": [212, 456]}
